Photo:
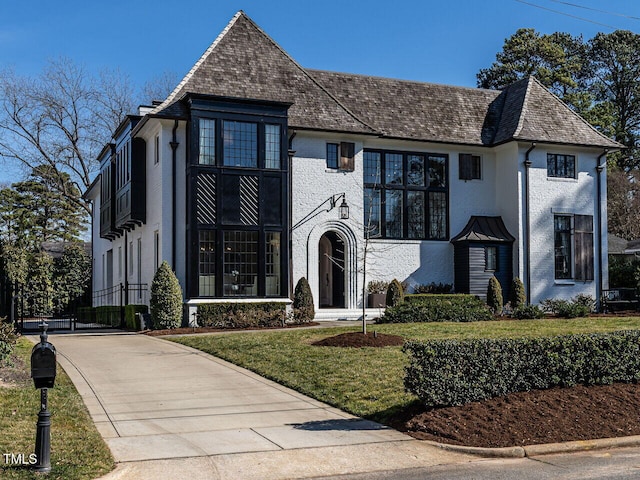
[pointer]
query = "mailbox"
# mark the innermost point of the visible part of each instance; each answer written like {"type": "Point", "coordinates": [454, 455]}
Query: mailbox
{"type": "Point", "coordinates": [43, 365]}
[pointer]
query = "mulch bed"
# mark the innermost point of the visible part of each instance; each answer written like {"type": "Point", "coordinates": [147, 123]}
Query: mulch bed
{"type": "Point", "coordinates": [529, 418]}
{"type": "Point", "coordinates": [524, 418]}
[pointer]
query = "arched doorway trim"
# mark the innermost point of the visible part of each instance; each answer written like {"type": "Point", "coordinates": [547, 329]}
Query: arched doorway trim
{"type": "Point", "coordinates": [350, 261]}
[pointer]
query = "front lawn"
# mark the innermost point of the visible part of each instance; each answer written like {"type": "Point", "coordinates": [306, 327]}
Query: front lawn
{"type": "Point", "coordinates": [77, 449]}
{"type": "Point", "coordinates": [368, 382]}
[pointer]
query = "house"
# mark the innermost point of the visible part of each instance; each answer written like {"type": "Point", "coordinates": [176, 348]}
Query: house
{"type": "Point", "coordinates": [255, 172]}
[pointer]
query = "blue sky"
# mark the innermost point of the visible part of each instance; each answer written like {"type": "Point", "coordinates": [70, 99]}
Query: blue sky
{"type": "Point", "coordinates": [433, 41]}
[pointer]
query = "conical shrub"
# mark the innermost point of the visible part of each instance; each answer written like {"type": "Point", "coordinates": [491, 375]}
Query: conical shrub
{"type": "Point", "coordinates": [303, 309]}
{"type": "Point", "coordinates": [494, 296]}
{"type": "Point", "coordinates": [517, 295]}
{"type": "Point", "coordinates": [395, 293]}
{"type": "Point", "coordinates": [166, 299]}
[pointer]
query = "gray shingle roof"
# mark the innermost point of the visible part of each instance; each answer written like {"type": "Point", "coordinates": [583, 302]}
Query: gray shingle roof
{"type": "Point", "coordinates": [245, 62]}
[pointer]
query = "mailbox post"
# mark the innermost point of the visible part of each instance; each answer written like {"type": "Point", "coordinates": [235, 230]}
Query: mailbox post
{"type": "Point", "coordinates": [43, 372]}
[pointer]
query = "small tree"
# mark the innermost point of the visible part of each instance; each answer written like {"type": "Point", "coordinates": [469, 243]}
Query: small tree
{"type": "Point", "coordinates": [517, 296]}
{"type": "Point", "coordinates": [395, 294]}
{"type": "Point", "coordinates": [166, 299]}
{"type": "Point", "coordinates": [303, 309]}
{"type": "Point", "coordinates": [494, 296]}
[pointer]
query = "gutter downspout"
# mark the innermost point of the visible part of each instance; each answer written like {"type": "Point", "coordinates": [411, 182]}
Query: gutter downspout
{"type": "Point", "coordinates": [599, 169]}
{"type": "Point", "coordinates": [174, 147]}
{"type": "Point", "coordinates": [527, 221]}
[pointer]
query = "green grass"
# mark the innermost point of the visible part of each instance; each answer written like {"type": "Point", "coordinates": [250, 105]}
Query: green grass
{"type": "Point", "coordinates": [367, 382]}
{"type": "Point", "coordinates": [77, 449]}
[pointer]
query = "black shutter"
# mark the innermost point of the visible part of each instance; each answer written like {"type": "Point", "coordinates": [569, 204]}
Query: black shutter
{"type": "Point", "coordinates": [583, 226]}
{"type": "Point", "coordinates": [347, 154]}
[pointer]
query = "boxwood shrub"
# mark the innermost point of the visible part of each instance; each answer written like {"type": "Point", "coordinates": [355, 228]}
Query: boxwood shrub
{"type": "Point", "coordinates": [454, 372]}
{"type": "Point", "coordinates": [241, 315]}
{"type": "Point", "coordinates": [437, 308]}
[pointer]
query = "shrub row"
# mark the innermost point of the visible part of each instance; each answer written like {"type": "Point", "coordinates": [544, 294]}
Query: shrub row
{"type": "Point", "coordinates": [8, 339]}
{"type": "Point", "coordinates": [241, 315]}
{"type": "Point", "coordinates": [105, 315]}
{"type": "Point", "coordinates": [131, 317]}
{"type": "Point", "coordinates": [437, 308]}
{"type": "Point", "coordinates": [452, 372]}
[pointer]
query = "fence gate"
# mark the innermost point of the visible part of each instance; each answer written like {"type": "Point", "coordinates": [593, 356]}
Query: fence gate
{"type": "Point", "coordinates": [32, 308]}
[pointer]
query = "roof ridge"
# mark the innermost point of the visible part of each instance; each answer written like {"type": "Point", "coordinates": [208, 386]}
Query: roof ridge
{"type": "Point", "coordinates": [525, 101]}
{"type": "Point", "coordinates": [171, 98]}
{"type": "Point", "coordinates": [404, 80]}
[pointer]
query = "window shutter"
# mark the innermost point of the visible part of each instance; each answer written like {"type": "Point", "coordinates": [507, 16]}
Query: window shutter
{"type": "Point", "coordinates": [347, 154]}
{"type": "Point", "coordinates": [583, 247]}
{"type": "Point", "coordinates": [464, 164]}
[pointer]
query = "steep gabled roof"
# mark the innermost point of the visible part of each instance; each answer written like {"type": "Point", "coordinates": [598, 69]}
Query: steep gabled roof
{"type": "Point", "coordinates": [533, 113]}
{"type": "Point", "coordinates": [244, 62]}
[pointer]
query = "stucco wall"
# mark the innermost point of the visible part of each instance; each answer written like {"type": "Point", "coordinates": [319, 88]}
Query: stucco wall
{"type": "Point", "coordinates": [412, 261]}
{"type": "Point", "coordinates": [548, 197]}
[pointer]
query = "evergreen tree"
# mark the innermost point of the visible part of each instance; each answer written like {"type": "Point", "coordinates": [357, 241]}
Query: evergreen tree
{"type": "Point", "coordinates": [166, 299]}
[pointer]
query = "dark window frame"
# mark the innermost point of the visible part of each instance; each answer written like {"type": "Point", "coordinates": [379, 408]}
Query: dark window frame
{"type": "Point", "coordinates": [341, 156]}
{"type": "Point", "coordinates": [491, 262]}
{"type": "Point", "coordinates": [434, 223]}
{"type": "Point", "coordinates": [561, 165]}
{"type": "Point", "coordinates": [577, 236]}
{"type": "Point", "coordinates": [268, 169]}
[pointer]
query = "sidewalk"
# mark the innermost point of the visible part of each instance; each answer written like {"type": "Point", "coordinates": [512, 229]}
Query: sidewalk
{"type": "Point", "coordinates": [168, 411]}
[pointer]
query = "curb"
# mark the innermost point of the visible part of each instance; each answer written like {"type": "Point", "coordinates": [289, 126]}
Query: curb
{"type": "Point", "coordinates": [542, 449]}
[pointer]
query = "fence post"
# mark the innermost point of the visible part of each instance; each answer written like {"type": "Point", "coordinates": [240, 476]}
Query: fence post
{"type": "Point", "coordinates": [123, 296]}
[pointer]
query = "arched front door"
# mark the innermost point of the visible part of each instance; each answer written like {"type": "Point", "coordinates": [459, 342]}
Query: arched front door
{"type": "Point", "coordinates": [331, 270]}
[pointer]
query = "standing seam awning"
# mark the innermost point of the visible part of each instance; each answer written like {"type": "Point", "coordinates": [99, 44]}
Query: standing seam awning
{"type": "Point", "coordinates": [484, 229]}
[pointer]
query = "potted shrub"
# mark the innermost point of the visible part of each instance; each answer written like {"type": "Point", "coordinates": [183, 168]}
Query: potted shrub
{"type": "Point", "coordinates": [377, 293]}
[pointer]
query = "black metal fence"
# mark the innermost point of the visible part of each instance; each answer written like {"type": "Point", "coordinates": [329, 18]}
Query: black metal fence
{"type": "Point", "coordinates": [105, 310]}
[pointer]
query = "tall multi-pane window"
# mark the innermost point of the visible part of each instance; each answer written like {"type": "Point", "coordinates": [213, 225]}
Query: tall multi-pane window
{"type": "Point", "coordinates": [207, 263]}
{"type": "Point", "coordinates": [272, 146]}
{"type": "Point", "coordinates": [240, 263]}
{"type": "Point", "coordinates": [207, 142]}
{"type": "Point", "coordinates": [240, 144]}
{"type": "Point", "coordinates": [562, 166]}
{"type": "Point", "coordinates": [237, 202]}
{"type": "Point", "coordinates": [272, 264]}
{"type": "Point", "coordinates": [406, 195]}
{"type": "Point", "coordinates": [562, 246]}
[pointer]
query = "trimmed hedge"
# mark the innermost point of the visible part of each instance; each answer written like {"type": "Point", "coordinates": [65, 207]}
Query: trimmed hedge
{"type": "Point", "coordinates": [455, 372]}
{"type": "Point", "coordinates": [110, 315]}
{"type": "Point", "coordinates": [241, 315]}
{"type": "Point", "coordinates": [454, 298]}
{"type": "Point", "coordinates": [437, 308]}
{"type": "Point", "coordinates": [131, 319]}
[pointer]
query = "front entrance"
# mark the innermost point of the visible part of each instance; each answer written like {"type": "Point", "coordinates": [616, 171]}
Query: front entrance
{"type": "Point", "coordinates": [331, 270]}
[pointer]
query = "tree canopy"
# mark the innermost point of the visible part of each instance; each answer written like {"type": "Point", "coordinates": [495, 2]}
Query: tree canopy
{"type": "Point", "coordinates": [599, 79]}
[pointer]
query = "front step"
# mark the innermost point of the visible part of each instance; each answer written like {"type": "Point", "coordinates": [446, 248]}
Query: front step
{"type": "Point", "coordinates": [332, 314]}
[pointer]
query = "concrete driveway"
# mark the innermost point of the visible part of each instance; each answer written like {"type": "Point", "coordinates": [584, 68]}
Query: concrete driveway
{"type": "Point", "coordinates": [169, 411]}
